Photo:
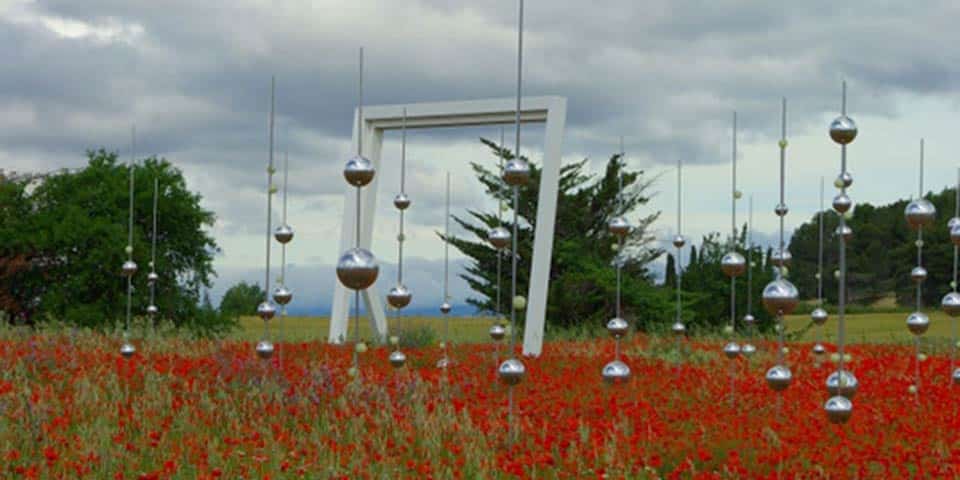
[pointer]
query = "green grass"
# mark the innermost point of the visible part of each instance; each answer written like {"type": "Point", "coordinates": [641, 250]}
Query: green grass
{"type": "Point", "coordinates": [873, 327]}
{"type": "Point", "coordinates": [293, 329]}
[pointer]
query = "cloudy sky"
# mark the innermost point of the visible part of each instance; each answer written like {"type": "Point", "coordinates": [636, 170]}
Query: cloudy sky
{"type": "Point", "coordinates": [666, 75]}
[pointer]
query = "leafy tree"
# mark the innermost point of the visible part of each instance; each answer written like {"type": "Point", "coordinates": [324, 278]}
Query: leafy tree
{"type": "Point", "coordinates": [241, 299]}
{"type": "Point", "coordinates": [70, 227]}
{"type": "Point", "coordinates": [582, 277]}
{"type": "Point", "coordinates": [670, 272]}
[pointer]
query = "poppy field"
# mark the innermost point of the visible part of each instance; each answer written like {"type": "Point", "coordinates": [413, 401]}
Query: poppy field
{"type": "Point", "coordinates": [71, 407]}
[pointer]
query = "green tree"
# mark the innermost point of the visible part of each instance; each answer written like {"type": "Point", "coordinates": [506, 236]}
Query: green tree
{"type": "Point", "coordinates": [582, 277]}
{"type": "Point", "coordinates": [241, 299]}
{"type": "Point", "coordinates": [71, 227]}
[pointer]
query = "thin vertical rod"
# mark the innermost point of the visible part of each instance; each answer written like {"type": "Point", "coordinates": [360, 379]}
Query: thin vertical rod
{"type": "Point", "coordinates": [733, 223]}
{"type": "Point", "coordinates": [446, 267]}
{"type": "Point", "coordinates": [283, 246]}
{"type": "Point", "coordinates": [842, 260]}
{"type": "Point", "coordinates": [499, 252]}
{"type": "Point", "coordinates": [403, 183]}
{"type": "Point", "coordinates": [916, 338]}
{"type": "Point", "coordinates": [619, 212]}
{"type": "Point", "coordinates": [356, 242]}
{"type": "Point", "coordinates": [749, 328]}
{"type": "Point", "coordinates": [820, 260]}
{"type": "Point", "coordinates": [133, 162]}
{"type": "Point", "coordinates": [266, 275]}
{"type": "Point", "coordinates": [953, 343]}
{"type": "Point", "coordinates": [677, 264]}
{"type": "Point", "coordinates": [153, 240]}
{"type": "Point", "coordinates": [783, 161]}
{"type": "Point", "coordinates": [516, 207]}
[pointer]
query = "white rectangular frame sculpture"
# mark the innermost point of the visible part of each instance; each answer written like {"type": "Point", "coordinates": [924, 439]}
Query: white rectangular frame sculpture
{"type": "Point", "coordinates": [552, 111]}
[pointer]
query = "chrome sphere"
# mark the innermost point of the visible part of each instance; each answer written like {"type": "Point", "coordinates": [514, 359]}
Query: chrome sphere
{"type": "Point", "coordinates": [844, 180]}
{"type": "Point", "coordinates": [619, 226]}
{"type": "Point", "coordinates": [282, 295]}
{"type": "Point", "coordinates": [955, 235]}
{"type": "Point", "coordinates": [951, 304]}
{"type": "Point", "coordinates": [918, 323]}
{"type": "Point", "coordinates": [443, 363]}
{"type": "Point", "coordinates": [127, 350]}
{"type": "Point", "coordinates": [152, 278]}
{"type": "Point", "coordinates": [780, 296]}
{"type": "Point", "coordinates": [779, 377]}
{"type": "Point", "coordinates": [918, 274]}
{"type": "Point", "coordinates": [679, 241]}
{"type": "Point", "coordinates": [748, 350]}
{"type": "Point", "coordinates": [358, 171]}
{"type": "Point", "coordinates": [838, 409]}
{"type": "Point", "coordinates": [842, 383]}
{"type": "Point", "coordinates": [399, 296]}
{"type": "Point", "coordinates": [499, 237]}
{"type": "Point", "coordinates": [749, 319]}
{"type": "Point", "coordinates": [956, 376]}
{"type": "Point", "coordinates": [678, 328]}
{"type": "Point", "coordinates": [516, 172]}
{"type": "Point", "coordinates": [843, 130]}
{"type": "Point", "coordinates": [264, 349]}
{"type": "Point", "coordinates": [819, 316]}
{"type": "Point", "coordinates": [511, 371]}
{"type": "Point", "coordinates": [731, 350]}
{"type": "Point", "coordinates": [781, 210]}
{"type": "Point", "coordinates": [266, 310]}
{"type": "Point", "coordinates": [953, 222]}
{"type": "Point", "coordinates": [129, 268]}
{"type": "Point", "coordinates": [842, 203]}
{"type": "Point", "coordinates": [733, 264]}
{"type": "Point", "coordinates": [445, 308]}
{"type": "Point", "coordinates": [497, 332]}
{"type": "Point", "coordinates": [397, 358]}
{"type": "Point", "coordinates": [845, 231]}
{"type": "Point", "coordinates": [615, 372]}
{"type": "Point", "coordinates": [617, 327]}
{"type": "Point", "coordinates": [781, 260]}
{"type": "Point", "coordinates": [152, 310]}
{"type": "Point", "coordinates": [283, 233]}
{"type": "Point", "coordinates": [401, 201]}
{"type": "Point", "coordinates": [818, 349]}
{"type": "Point", "coordinates": [920, 213]}
{"type": "Point", "coordinates": [357, 269]}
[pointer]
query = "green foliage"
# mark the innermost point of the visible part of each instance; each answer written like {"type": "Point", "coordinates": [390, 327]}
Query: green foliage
{"type": "Point", "coordinates": [241, 299]}
{"type": "Point", "coordinates": [582, 277]}
{"type": "Point", "coordinates": [72, 228]}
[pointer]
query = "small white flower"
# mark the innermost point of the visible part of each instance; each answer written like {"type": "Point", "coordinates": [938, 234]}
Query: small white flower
{"type": "Point", "coordinates": [912, 389]}
{"type": "Point", "coordinates": [785, 350]}
{"type": "Point", "coordinates": [921, 357]}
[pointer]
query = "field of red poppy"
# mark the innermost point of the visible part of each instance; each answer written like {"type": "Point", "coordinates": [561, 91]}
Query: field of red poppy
{"type": "Point", "coordinates": [71, 407]}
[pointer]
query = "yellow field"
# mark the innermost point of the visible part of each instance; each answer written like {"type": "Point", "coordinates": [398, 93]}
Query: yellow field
{"type": "Point", "coordinates": [874, 327]}
{"type": "Point", "coordinates": [462, 329]}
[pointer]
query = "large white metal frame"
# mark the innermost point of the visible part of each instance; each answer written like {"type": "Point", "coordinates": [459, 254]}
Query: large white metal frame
{"type": "Point", "coordinates": [552, 111]}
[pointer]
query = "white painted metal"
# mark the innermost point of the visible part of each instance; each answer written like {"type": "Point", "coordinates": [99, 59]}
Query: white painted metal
{"type": "Point", "coordinates": [552, 111]}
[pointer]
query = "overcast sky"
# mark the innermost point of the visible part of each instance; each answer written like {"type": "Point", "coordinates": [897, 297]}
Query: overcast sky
{"type": "Point", "coordinates": [666, 75]}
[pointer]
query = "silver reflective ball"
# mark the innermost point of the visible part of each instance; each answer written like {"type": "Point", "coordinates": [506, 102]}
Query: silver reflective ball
{"type": "Point", "coordinates": [445, 308]}
{"type": "Point", "coordinates": [127, 349]}
{"type": "Point", "coordinates": [264, 349]}
{"type": "Point", "coordinates": [399, 296]}
{"type": "Point", "coordinates": [619, 226]}
{"type": "Point", "coordinates": [819, 316]}
{"type": "Point", "coordinates": [615, 372]}
{"type": "Point", "coordinates": [731, 350]}
{"type": "Point", "coordinates": [129, 268]}
{"type": "Point", "coordinates": [843, 130]}
{"type": "Point", "coordinates": [282, 295]}
{"type": "Point", "coordinates": [845, 231]}
{"type": "Point", "coordinates": [953, 222]}
{"type": "Point", "coordinates": [779, 377]}
{"type": "Point", "coordinates": [918, 323]}
{"type": "Point", "coordinates": [956, 376]}
{"type": "Point", "coordinates": [749, 319]}
{"type": "Point", "coordinates": [401, 201]}
{"type": "Point", "coordinates": [844, 180]}
{"type": "Point", "coordinates": [357, 269]}
{"type": "Point", "coordinates": [733, 264]}
{"type": "Point", "coordinates": [266, 310]}
{"type": "Point", "coordinates": [443, 363]}
{"type": "Point", "coordinates": [358, 171]}
{"type": "Point", "coordinates": [838, 409]}
{"type": "Point", "coordinates": [397, 358]}
{"type": "Point", "coordinates": [497, 332]}
{"type": "Point", "coordinates": [842, 383]}
{"type": "Point", "coordinates": [152, 310]}
{"type": "Point", "coordinates": [781, 210]}
{"type": "Point", "coordinates": [516, 172]}
{"type": "Point", "coordinates": [781, 260]}
{"type": "Point", "coordinates": [818, 349]}
{"type": "Point", "coordinates": [780, 296]}
{"type": "Point", "coordinates": [955, 236]}
{"type": "Point", "coordinates": [920, 213]}
{"type": "Point", "coordinates": [499, 237]}
{"type": "Point", "coordinates": [679, 241]}
{"type": "Point", "coordinates": [678, 328]}
{"type": "Point", "coordinates": [152, 278]}
{"type": "Point", "coordinates": [951, 304]}
{"type": "Point", "coordinates": [617, 327]}
{"type": "Point", "coordinates": [748, 350]}
{"type": "Point", "coordinates": [918, 274]}
{"type": "Point", "coordinates": [842, 203]}
{"type": "Point", "coordinates": [283, 233]}
{"type": "Point", "coordinates": [511, 371]}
